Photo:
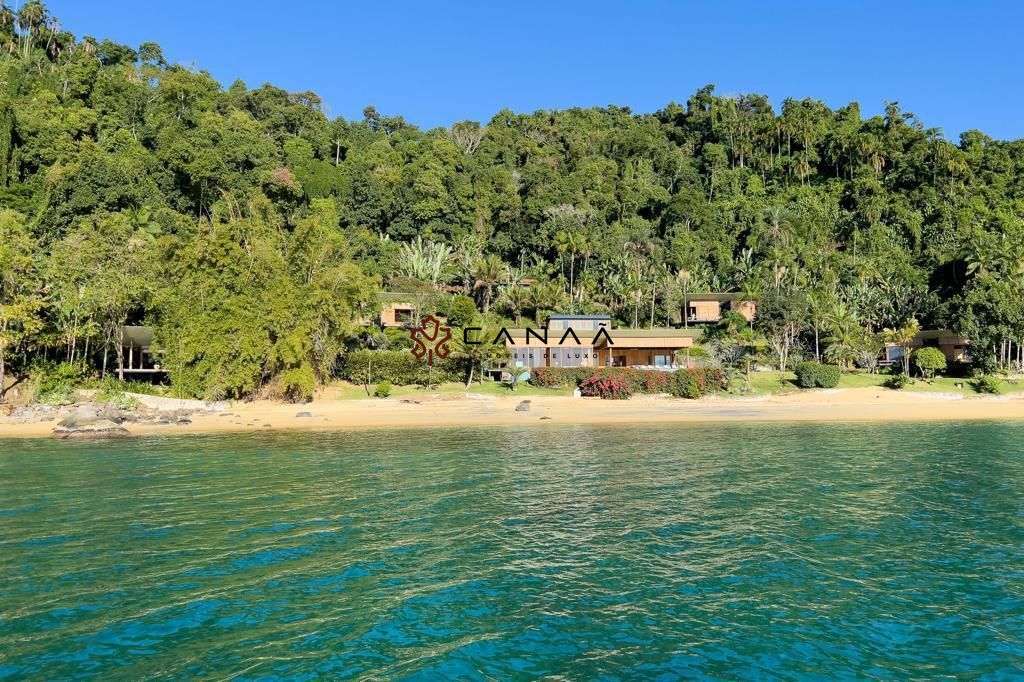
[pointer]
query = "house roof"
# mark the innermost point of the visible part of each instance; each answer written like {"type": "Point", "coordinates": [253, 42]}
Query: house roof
{"type": "Point", "coordinates": [139, 337]}
{"type": "Point", "coordinates": [400, 297]}
{"type": "Point", "coordinates": [579, 317]}
{"type": "Point", "coordinates": [721, 296]}
{"type": "Point", "coordinates": [657, 332]}
{"type": "Point", "coordinates": [927, 334]}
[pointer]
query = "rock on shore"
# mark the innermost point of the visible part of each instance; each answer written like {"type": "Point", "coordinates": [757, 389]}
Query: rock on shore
{"type": "Point", "coordinates": [99, 429]}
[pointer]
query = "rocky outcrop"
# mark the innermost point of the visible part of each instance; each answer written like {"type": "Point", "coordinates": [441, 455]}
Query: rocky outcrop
{"type": "Point", "coordinates": [94, 421]}
{"type": "Point", "coordinates": [97, 429]}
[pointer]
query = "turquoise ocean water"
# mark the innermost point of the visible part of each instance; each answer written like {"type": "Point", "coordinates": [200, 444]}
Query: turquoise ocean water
{"type": "Point", "coordinates": [760, 551]}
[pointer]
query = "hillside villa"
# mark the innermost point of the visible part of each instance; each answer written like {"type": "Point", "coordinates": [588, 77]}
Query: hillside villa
{"type": "Point", "coordinates": [707, 308]}
{"type": "Point", "coordinates": [399, 309]}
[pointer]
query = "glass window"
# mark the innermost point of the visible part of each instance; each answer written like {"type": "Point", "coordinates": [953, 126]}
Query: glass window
{"type": "Point", "coordinates": [529, 357]}
{"type": "Point", "coordinates": [576, 357]}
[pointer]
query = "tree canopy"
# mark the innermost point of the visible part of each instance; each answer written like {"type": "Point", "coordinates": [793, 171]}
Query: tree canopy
{"type": "Point", "coordinates": [254, 232]}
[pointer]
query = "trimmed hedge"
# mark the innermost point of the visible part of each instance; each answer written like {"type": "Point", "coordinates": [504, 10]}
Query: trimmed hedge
{"type": "Point", "coordinates": [396, 367]}
{"type": "Point", "coordinates": [697, 381]}
{"type": "Point", "coordinates": [817, 375]}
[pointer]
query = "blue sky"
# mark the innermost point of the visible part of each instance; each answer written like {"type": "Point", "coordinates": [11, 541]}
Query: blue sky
{"type": "Point", "coordinates": [957, 66]}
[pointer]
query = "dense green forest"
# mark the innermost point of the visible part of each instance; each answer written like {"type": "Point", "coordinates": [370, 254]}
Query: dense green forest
{"type": "Point", "coordinates": [255, 232]}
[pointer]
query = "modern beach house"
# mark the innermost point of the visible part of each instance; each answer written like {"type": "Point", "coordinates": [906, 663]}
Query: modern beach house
{"type": "Point", "coordinates": [138, 355]}
{"type": "Point", "coordinates": [591, 341]}
{"type": "Point", "coordinates": [952, 345]}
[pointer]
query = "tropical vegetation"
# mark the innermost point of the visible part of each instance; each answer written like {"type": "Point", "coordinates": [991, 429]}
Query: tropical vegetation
{"type": "Point", "coordinates": [255, 233]}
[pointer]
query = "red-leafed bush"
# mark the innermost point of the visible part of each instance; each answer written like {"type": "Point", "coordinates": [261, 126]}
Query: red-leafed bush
{"type": "Point", "coordinates": [684, 382]}
{"type": "Point", "coordinates": [606, 388]}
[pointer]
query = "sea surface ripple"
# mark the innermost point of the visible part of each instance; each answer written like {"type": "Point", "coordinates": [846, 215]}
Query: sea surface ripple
{"type": "Point", "coordinates": [731, 551]}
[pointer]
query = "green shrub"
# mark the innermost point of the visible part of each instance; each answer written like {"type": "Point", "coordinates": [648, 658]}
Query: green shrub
{"type": "Point", "coordinates": [119, 400]}
{"type": "Point", "coordinates": [382, 390]}
{"type": "Point", "coordinates": [56, 382]}
{"type": "Point", "coordinates": [399, 368]}
{"type": "Point", "coordinates": [60, 395]}
{"type": "Point", "coordinates": [686, 385]}
{"type": "Point", "coordinates": [986, 383]}
{"type": "Point", "coordinates": [461, 312]}
{"type": "Point", "coordinates": [298, 384]}
{"type": "Point", "coordinates": [929, 361]}
{"type": "Point", "coordinates": [817, 375]}
{"type": "Point", "coordinates": [606, 387]}
{"type": "Point", "coordinates": [52, 376]}
{"type": "Point", "coordinates": [898, 381]}
{"type": "Point", "coordinates": [111, 387]}
{"type": "Point", "coordinates": [397, 338]}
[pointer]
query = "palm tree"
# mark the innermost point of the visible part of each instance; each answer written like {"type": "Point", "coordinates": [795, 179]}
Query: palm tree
{"type": "Point", "coordinates": [468, 254]}
{"type": "Point", "coordinates": [475, 354]}
{"type": "Point", "coordinates": [515, 297]}
{"type": "Point", "coordinates": [487, 274]}
{"type": "Point", "coordinates": [845, 334]}
{"type": "Point", "coordinates": [574, 243]}
{"type": "Point", "coordinates": [684, 279]}
{"type": "Point", "coordinates": [635, 284]}
{"type": "Point", "coordinates": [981, 255]}
{"type": "Point", "coordinates": [744, 267]}
{"type": "Point", "coordinates": [903, 337]}
{"type": "Point", "coordinates": [749, 292]}
{"type": "Point", "coordinates": [778, 226]}
{"type": "Point", "coordinates": [818, 305]}
{"type": "Point", "coordinates": [547, 296]}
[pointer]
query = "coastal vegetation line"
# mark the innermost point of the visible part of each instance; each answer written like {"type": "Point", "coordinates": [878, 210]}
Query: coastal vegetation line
{"type": "Point", "coordinates": [256, 235]}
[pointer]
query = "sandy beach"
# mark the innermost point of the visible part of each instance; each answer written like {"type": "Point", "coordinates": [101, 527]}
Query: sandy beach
{"type": "Point", "coordinates": [437, 411]}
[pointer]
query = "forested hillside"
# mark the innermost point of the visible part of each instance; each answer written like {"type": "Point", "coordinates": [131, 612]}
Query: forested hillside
{"type": "Point", "coordinates": [254, 231]}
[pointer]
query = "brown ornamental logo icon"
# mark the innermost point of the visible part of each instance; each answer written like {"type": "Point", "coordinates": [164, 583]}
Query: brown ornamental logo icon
{"type": "Point", "coordinates": [430, 339]}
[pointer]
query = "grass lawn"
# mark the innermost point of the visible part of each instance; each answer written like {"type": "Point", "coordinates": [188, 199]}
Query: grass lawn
{"type": "Point", "coordinates": [762, 384]}
{"type": "Point", "coordinates": [342, 390]}
{"type": "Point", "coordinates": [781, 383]}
